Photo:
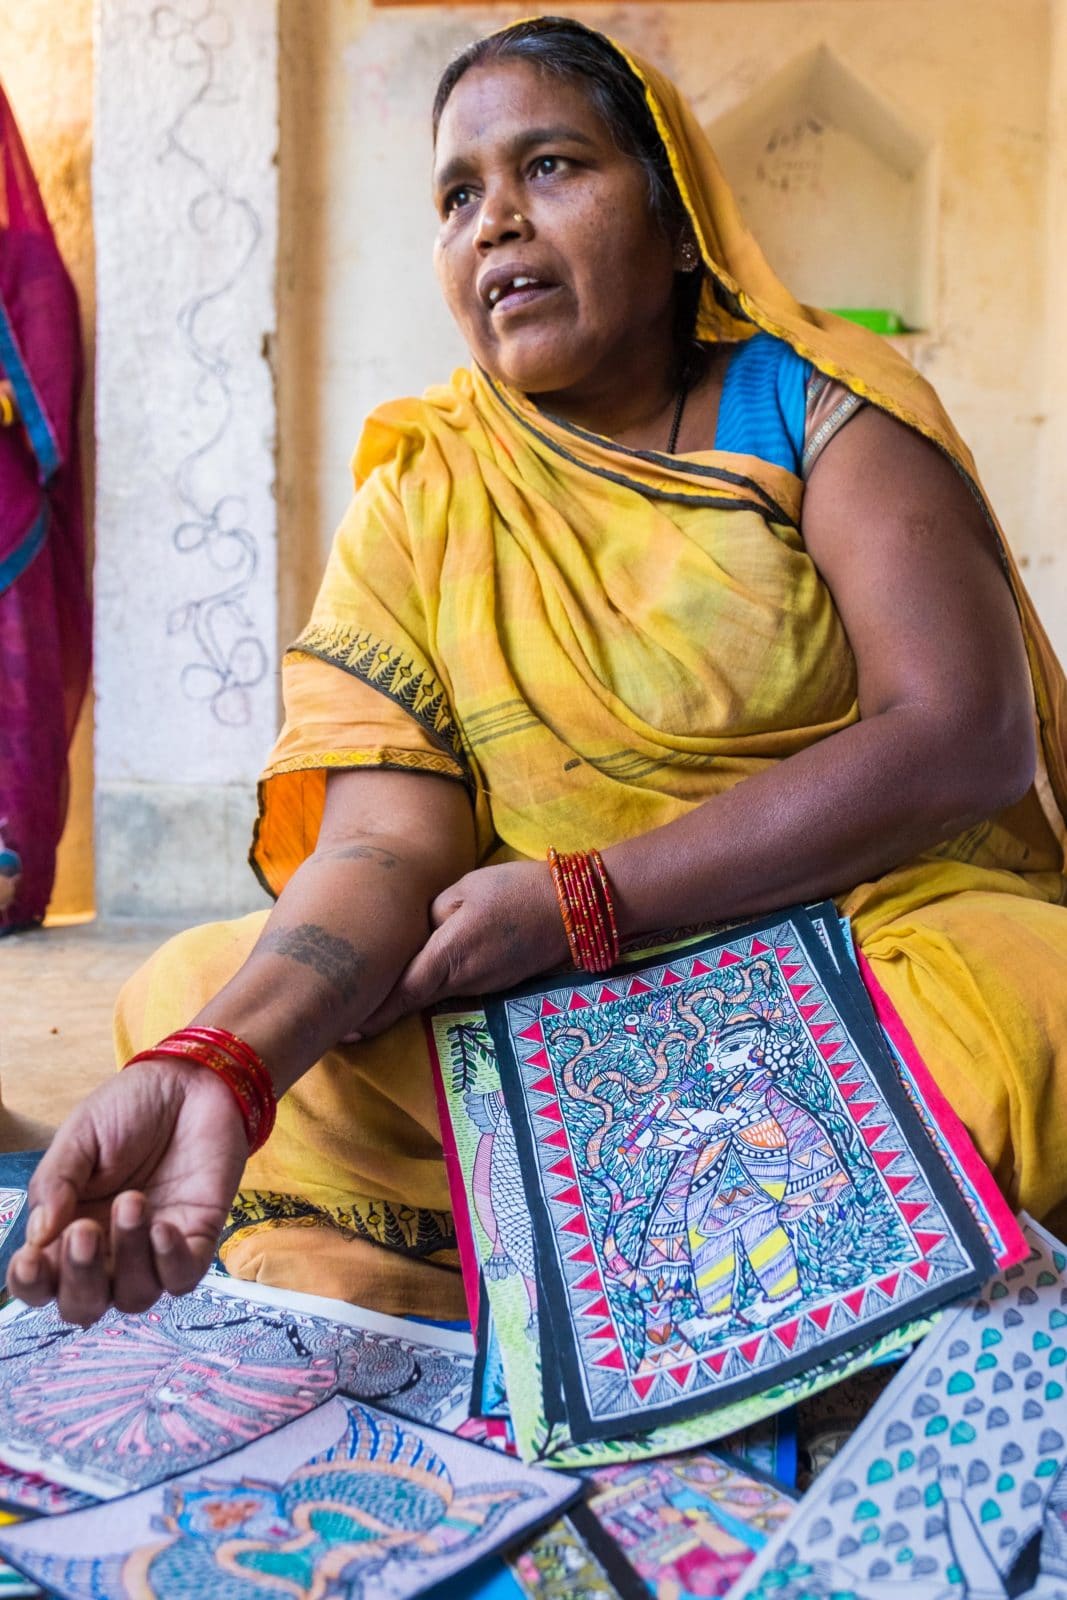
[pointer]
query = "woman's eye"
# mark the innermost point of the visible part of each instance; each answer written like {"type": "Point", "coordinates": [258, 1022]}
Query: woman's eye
{"type": "Point", "coordinates": [455, 199]}
{"type": "Point", "coordinates": [545, 166]}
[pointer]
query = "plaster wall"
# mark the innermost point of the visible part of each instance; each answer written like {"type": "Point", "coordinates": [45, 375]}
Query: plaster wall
{"type": "Point", "coordinates": [967, 81]}
{"type": "Point", "coordinates": [46, 66]}
{"type": "Point", "coordinates": [185, 183]}
{"type": "Point", "coordinates": [1047, 555]}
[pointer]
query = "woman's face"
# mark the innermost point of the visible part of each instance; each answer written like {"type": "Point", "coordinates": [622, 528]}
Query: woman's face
{"type": "Point", "coordinates": [529, 185]}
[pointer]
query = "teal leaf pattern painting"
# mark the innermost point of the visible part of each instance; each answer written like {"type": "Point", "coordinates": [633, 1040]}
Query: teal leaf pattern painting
{"type": "Point", "coordinates": [974, 1506]}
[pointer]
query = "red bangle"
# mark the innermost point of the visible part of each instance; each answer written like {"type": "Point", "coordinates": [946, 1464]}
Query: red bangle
{"type": "Point", "coordinates": [587, 908]}
{"type": "Point", "coordinates": [609, 902]}
{"type": "Point", "coordinates": [236, 1063]}
{"type": "Point", "coordinates": [241, 1052]}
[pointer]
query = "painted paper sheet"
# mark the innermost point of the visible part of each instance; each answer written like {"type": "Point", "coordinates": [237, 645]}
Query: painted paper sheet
{"type": "Point", "coordinates": [875, 1013]}
{"type": "Point", "coordinates": [31, 1492]}
{"type": "Point", "coordinates": [16, 1169]}
{"type": "Point", "coordinates": [955, 1487]}
{"type": "Point", "coordinates": [489, 1395]}
{"type": "Point", "coordinates": [499, 1234]}
{"type": "Point", "coordinates": [726, 1187]}
{"type": "Point", "coordinates": [769, 1446]}
{"type": "Point", "coordinates": [688, 1525]}
{"type": "Point", "coordinates": [135, 1399]}
{"type": "Point", "coordinates": [12, 1582]}
{"type": "Point", "coordinates": [556, 1564]}
{"type": "Point", "coordinates": [344, 1501]}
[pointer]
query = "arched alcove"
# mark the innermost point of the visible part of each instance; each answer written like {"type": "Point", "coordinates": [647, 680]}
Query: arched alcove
{"type": "Point", "coordinates": [836, 188]}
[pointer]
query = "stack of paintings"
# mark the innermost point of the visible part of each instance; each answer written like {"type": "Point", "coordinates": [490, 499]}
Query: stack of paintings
{"type": "Point", "coordinates": [712, 1210]}
{"type": "Point", "coordinates": [698, 1190]}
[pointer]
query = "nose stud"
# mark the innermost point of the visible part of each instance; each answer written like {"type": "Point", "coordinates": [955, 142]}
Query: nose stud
{"type": "Point", "coordinates": [517, 216]}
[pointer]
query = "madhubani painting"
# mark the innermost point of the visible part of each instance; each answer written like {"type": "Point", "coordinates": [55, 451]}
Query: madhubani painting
{"type": "Point", "coordinates": [688, 1525]}
{"type": "Point", "coordinates": [954, 1487]}
{"type": "Point", "coordinates": [346, 1502]}
{"type": "Point", "coordinates": [493, 1223]}
{"type": "Point", "coordinates": [134, 1399]}
{"type": "Point", "coordinates": [726, 1186]}
{"type": "Point", "coordinates": [884, 1030]}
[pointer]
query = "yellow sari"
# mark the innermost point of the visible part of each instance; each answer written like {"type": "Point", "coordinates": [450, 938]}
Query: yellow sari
{"type": "Point", "coordinates": [594, 641]}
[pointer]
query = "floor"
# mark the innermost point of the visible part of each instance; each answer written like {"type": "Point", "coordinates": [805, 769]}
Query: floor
{"type": "Point", "coordinates": [57, 989]}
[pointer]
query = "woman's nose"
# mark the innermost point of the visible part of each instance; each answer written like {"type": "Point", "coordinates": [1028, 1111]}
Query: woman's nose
{"type": "Point", "coordinates": [500, 222]}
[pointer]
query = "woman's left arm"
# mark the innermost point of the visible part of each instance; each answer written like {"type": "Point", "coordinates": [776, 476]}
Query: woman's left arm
{"type": "Point", "coordinates": [944, 739]}
{"type": "Point", "coordinates": [946, 733]}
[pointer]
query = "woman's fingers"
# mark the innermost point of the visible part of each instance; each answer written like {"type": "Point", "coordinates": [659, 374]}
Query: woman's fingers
{"type": "Point", "coordinates": [31, 1276]}
{"type": "Point", "coordinates": [425, 980]}
{"type": "Point", "coordinates": [135, 1283]}
{"type": "Point", "coordinates": [84, 1290]}
{"type": "Point", "coordinates": [59, 1182]}
{"type": "Point", "coordinates": [180, 1261]}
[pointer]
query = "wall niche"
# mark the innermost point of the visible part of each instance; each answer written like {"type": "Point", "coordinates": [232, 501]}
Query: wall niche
{"type": "Point", "coordinates": [836, 188]}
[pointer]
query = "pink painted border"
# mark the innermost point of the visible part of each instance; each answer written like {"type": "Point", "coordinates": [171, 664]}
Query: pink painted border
{"type": "Point", "coordinates": [1016, 1248]}
{"type": "Point", "coordinates": [457, 1191]}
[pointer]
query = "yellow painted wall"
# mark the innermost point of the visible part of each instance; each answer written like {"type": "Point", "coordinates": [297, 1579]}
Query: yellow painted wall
{"type": "Point", "coordinates": [46, 67]}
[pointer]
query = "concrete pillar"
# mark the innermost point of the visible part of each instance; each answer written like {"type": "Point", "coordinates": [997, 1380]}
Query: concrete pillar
{"type": "Point", "coordinates": [185, 189]}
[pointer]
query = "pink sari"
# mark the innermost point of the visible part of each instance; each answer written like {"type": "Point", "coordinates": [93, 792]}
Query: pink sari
{"type": "Point", "coordinates": [44, 605]}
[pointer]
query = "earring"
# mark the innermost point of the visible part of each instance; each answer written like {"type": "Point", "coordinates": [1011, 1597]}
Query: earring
{"type": "Point", "coordinates": [688, 255]}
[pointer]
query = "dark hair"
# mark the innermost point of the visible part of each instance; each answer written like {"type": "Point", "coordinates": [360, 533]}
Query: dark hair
{"type": "Point", "coordinates": [563, 48]}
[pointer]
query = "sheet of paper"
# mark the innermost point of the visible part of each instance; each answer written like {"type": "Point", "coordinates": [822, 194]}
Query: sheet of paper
{"type": "Point", "coordinates": [688, 1525]}
{"type": "Point", "coordinates": [987, 1205]}
{"type": "Point", "coordinates": [555, 1564]}
{"type": "Point", "coordinates": [12, 1582]}
{"type": "Point", "coordinates": [16, 1169]}
{"type": "Point", "coordinates": [135, 1399]}
{"type": "Point", "coordinates": [769, 1446]}
{"type": "Point", "coordinates": [30, 1491]}
{"type": "Point", "coordinates": [498, 1227]}
{"type": "Point", "coordinates": [391, 1505]}
{"type": "Point", "coordinates": [955, 1486]}
{"type": "Point", "coordinates": [489, 1395]}
{"type": "Point", "coordinates": [726, 1186]}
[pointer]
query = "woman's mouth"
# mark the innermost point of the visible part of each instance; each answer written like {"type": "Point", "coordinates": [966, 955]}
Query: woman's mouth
{"type": "Point", "coordinates": [516, 293]}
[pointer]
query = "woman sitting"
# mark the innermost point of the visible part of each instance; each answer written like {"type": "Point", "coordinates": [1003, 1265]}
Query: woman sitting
{"type": "Point", "coordinates": [680, 569]}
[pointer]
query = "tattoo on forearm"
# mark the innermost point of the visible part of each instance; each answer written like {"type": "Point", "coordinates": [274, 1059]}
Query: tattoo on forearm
{"type": "Point", "coordinates": [332, 957]}
{"type": "Point", "coordinates": [358, 852]}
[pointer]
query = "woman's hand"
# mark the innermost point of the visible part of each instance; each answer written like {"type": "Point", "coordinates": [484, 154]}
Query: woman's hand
{"type": "Point", "coordinates": [495, 927]}
{"type": "Point", "coordinates": [130, 1198]}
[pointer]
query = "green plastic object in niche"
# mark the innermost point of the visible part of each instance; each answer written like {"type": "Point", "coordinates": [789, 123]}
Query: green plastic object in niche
{"type": "Point", "coordinates": [877, 319]}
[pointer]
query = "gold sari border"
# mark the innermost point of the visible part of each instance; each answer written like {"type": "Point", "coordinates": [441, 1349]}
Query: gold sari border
{"type": "Point", "coordinates": [405, 1230]}
{"type": "Point", "coordinates": [386, 669]}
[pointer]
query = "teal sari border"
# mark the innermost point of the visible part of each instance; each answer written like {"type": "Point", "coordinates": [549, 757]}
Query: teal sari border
{"type": "Point", "coordinates": [29, 546]}
{"type": "Point", "coordinates": [43, 440]}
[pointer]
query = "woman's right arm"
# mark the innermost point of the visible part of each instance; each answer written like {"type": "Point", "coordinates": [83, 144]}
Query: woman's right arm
{"type": "Point", "coordinates": [132, 1194]}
